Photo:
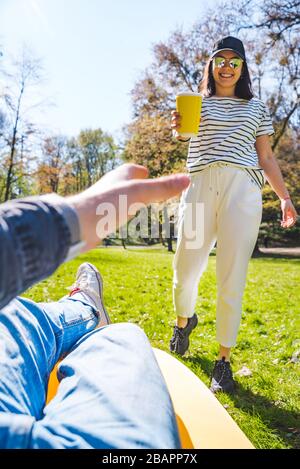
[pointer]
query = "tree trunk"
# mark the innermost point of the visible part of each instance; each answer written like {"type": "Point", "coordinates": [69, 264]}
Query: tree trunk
{"type": "Point", "coordinates": [256, 251]}
{"type": "Point", "coordinates": [170, 246]}
{"type": "Point", "coordinates": [13, 148]}
{"type": "Point", "coordinates": [11, 160]}
{"type": "Point", "coordinates": [9, 176]}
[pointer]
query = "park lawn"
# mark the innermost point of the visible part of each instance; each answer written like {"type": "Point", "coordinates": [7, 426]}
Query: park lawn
{"type": "Point", "coordinates": [137, 289]}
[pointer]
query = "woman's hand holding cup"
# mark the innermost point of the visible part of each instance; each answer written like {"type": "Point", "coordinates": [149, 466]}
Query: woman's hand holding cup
{"type": "Point", "coordinates": [186, 118]}
{"type": "Point", "coordinates": [175, 124]}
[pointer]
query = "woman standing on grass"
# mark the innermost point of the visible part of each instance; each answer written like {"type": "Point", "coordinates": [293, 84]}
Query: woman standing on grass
{"type": "Point", "coordinates": [227, 162]}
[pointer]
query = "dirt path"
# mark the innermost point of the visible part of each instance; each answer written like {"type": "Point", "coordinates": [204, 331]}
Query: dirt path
{"type": "Point", "coordinates": [282, 251]}
{"type": "Point", "coordinates": [289, 252]}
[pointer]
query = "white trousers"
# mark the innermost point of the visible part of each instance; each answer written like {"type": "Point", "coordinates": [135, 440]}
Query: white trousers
{"type": "Point", "coordinates": [232, 205]}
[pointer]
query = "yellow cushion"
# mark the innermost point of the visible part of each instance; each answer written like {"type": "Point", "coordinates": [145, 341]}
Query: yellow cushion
{"type": "Point", "coordinates": [202, 420]}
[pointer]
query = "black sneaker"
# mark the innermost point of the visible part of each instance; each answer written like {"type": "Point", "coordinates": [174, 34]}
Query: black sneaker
{"type": "Point", "coordinates": [180, 339]}
{"type": "Point", "coordinates": [222, 379]}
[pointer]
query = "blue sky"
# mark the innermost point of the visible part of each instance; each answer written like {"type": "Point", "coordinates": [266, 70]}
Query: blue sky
{"type": "Point", "coordinates": [93, 51]}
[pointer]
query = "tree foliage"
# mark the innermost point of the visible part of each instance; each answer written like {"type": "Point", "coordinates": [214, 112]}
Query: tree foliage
{"type": "Point", "coordinates": [71, 165]}
{"type": "Point", "coordinates": [16, 128]}
{"type": "Point", "coordinates": [98, 153]}
{"type": "Point", "coordinates": [52, 165]}
{"type": "Point", "coordinates": [149, 144]}
{"type": "Point", "coordinates": [32, 160]}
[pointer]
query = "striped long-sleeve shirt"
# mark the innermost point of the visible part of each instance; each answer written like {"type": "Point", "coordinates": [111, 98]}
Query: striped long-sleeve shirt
{"type": "Point", "coordinates": [227, 133]}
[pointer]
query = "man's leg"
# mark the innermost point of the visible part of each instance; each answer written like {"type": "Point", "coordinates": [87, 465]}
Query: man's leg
{"type": "Point", "coordinates": [32, 339]}
{"type": "Point", "coordinates": [111, 395]}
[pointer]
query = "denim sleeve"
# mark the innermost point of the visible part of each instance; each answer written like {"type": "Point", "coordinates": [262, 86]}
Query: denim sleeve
{"type": "Point", "coordinates": [36, 234]}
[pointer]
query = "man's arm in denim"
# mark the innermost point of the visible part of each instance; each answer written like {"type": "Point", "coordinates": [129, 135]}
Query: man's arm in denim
{"type": "Point", "coordinates": [36, 234]}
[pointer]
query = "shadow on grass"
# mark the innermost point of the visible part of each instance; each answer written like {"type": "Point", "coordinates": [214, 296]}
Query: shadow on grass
{"type": "Point", "coordinates": [276, 418]}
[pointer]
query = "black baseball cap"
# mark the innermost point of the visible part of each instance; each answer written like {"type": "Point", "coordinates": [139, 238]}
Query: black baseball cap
{"type": "Point", "coordinates": [229, 43]}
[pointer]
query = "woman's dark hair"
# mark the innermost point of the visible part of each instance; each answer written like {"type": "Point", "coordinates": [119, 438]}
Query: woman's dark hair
{"type": "Point", "coordinates": [243, 88]}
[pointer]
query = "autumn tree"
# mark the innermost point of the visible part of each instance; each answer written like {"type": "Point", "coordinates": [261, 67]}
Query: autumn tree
{"type": "Point", "coordinates": [99, 153]}
{"type": "Point", "coordinates": [71, 165]}
{"type": "Point", "coordinates": [150, 144]}
{"type": "Point", "coordinates": [279, 19]}
{"type": "Point", "coordinates": [53, 164]}
{"type": "Point", "coordinates": [19, 84]}
{"type": "Point", "coordinates": [278, 22]}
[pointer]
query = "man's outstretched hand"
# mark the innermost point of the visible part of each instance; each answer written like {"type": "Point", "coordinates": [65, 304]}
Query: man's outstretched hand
{"type": "Point", "coordinates": [128, 180]}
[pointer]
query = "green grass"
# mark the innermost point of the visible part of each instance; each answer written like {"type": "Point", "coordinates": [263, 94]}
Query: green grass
{"type": "Point", "coordinates": [137, 288]}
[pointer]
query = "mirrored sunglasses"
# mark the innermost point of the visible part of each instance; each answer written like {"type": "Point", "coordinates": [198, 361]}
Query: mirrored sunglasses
{"type": "Point", "coordinates": [233, 63]}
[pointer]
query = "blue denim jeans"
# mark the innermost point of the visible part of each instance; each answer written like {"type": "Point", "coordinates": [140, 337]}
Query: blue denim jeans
{"type": "Point", "coordinates": [111, 392]}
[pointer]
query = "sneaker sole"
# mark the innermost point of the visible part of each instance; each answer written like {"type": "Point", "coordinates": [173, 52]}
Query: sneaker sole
{"type": "Point", "coordinates": [225, 391]}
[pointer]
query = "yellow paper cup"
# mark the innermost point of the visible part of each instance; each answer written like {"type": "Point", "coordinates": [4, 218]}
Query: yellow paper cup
{"type": "Point", "coordinates": [188, 105]}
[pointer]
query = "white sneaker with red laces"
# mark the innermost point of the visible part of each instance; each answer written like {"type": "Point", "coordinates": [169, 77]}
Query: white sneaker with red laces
{"type": "Point", "coordinates": [89, 284]}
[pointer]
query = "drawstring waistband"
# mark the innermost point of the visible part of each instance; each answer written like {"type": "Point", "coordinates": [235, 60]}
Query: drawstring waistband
{"type": "Point", "coordinates": [210, 168]}
{"type": "Point", "coordinates": [210, 178]}
{"type": "Point", "coordinates": [254, 173]}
